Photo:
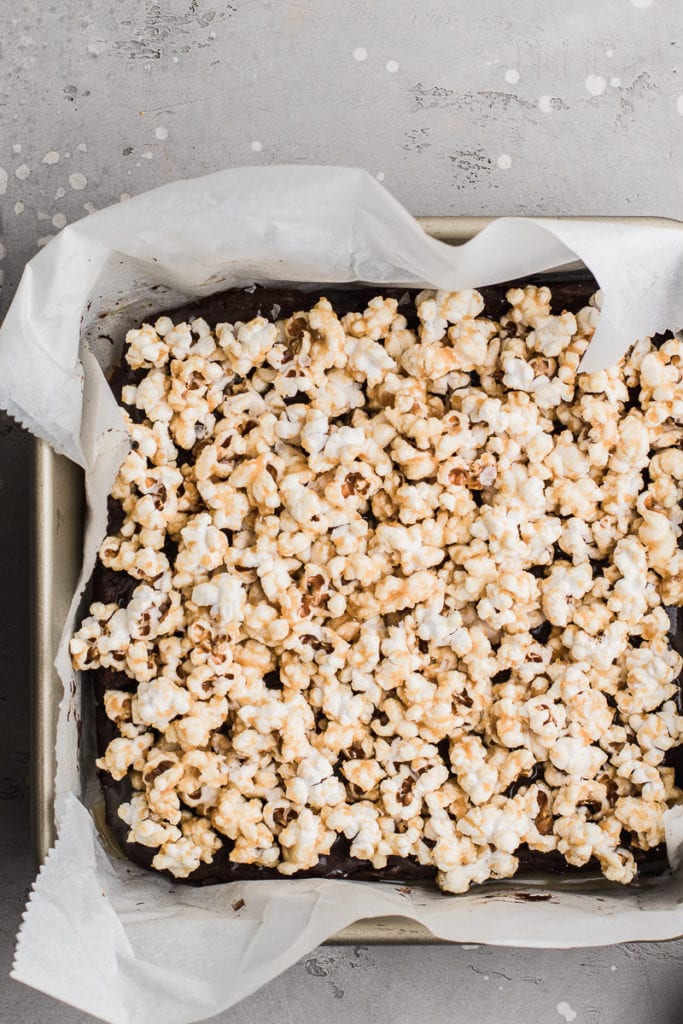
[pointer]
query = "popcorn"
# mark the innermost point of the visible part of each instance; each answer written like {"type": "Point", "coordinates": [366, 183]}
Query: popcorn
{"type": "Point", "coordinates": [629, 598]}
{"type": "Point", "coordinates": [144, 829]}
{"type": "Point", "coordinates": [181, 857]}
{"type": "Point", "coordinates": [358, 822]}
{"type": "Point", "coordinates": [249, 345]}
{"type": "Point", "coordinates": [407, 587]}
{"type": "Point", "coordinates": [657, 732]}
{"type": "Point", "coordinates": [374, 322]}
{"type": "Point", "coordinates": [122, 754]}
{"type": "Point", "coordinates": [158, 701]}
{"type": "Point", "coordinates": [202, 549]}
{"type": "Point", "coordinates": [303, 841]}
{"type": "Point", "coordinates": [437, 309]}
{"type": "Point", "coordinates": [468, 761]}
{"type": "Point", "coordinates": [574, 757]}
{"type": "Point", "coordinates": [579, 498]}
{"type": "Point", "coordinates": [369, 360]}
{"type": "Point", "coordinates": [363, 774]}
{"type": "Point", "coordinates": [644, 818]}
{"type": "Point", "coordinates": [580, 840]}
{"type": "Point", "coordinates": [529, 306]}
{"type": "Point", "coordinates": [563, 586]}
{"type": "Point", "coordinates": [476, 869]}
{"type": "Point", "coordinates": [145, 348]}
{"type": "Point", "coordinates": [395, 593]}
{"type": "Point", "coordinates": [224, 596]}
{"type": "Point", "coordinates": [650, 673]}
{"type": "Point", "coordinates": [502, 823]}
{"type": "Point", "coordinates": [552, 334]}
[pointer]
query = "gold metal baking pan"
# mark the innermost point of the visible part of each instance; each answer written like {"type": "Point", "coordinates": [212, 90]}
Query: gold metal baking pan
{"type": "Point", "coordinates": [58, 506]}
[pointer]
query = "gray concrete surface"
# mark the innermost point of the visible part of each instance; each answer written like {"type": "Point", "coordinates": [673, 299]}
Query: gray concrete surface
{"type": "Point", "coordinates": [458, 107]}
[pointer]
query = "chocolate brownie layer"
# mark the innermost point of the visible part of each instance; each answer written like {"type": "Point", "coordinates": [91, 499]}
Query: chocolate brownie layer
{"type": "Point", "coordinates": [568, 293]}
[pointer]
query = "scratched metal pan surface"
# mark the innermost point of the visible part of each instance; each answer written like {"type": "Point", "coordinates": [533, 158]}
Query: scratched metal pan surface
{"type": "Point", "coordinates": [58, 513]}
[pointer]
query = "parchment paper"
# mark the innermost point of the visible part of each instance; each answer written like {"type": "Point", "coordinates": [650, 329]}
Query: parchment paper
{"type": "Point", "coordinates": [99, 933]}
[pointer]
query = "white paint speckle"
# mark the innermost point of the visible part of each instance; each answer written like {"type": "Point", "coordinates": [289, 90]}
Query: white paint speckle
{"type": "Point", "coordinates": [148, 155]}
{"type": "Point", "coordinates": [545, 104]}
{"type": "Point", "coordinates": [3, 181]}
{"type": "Point", "coordinates": [609, 53]}
{"type": "Point", "coordinates": [392, 66]}
{"type": "Point", "coordinates": [59, 220]}
{"type": "Point", "coordinates": [89, 208]}
{"type": "Point", "coordinates": [360, 54]}
{"type": "Point", "coordinates": [67, 156]}
{"type": "Point", "coordinates": [77, 181]}
{"type": "Point", "coordinates": [43, 216]}
{"type": "Point", "coordinates": [512, 76]}
{"type": "Point", "coordinates": [82, 148]}
{"type": "Point", "coordinates": [60, 193]}
{"type": "Point", "coordinates": [96, 47]}
{"type": "Point", "coordinates": [51, 157]}
{"type": "Point", "coordinates": [504, 161]}
{"type": "Point", "coordinates": [380, 175]}
{"type": "Point", "coordinates": [486, 977]}
{"type": "Point", "coordinates": [213, 35]}
{"type": "Point", "coordinates": [19, 208]}
{"type": "Point", "coordinates": [22, 172]}
{"type": "Point", "coordinates": [3, 251]}
{"type": "Point", "coordinates": [615, 82]}
{"type": "Point", "coordinates": [16, 148]}
{"type": "Point", "coordinates": [44, 240]}
{"type": "Point", "coordinates": [470, 945]}
{"type": "Point", "coordinates": [595, 84]}
{"type": "Point", "coordinates": [256, 146]}
{"type": "Point", "coordinates": [613, 967]}
{"type": "Point", "coordinates": [679, 105]}
{"type": "Point", "coordinates": [565, 1010]}
{"type": "Point", "coordinates": [161, 132]}
{"type": "Point", "coordinates": [642, 3]}
{"type": "Point", "coordinates": [123, 197]}
{"type": "Point", "coordinates": [174, 59]}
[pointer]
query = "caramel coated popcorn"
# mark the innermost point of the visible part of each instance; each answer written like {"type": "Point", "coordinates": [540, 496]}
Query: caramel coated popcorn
{"type": "Point", "coordinates": [404, 585]}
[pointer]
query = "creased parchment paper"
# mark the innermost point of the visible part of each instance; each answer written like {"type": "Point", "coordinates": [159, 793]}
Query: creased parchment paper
{"type": "Point", "coordinates": [99, 933]}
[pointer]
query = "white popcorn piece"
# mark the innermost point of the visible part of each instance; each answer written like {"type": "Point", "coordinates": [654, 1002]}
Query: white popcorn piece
{"type": "Point", "coordinates": [144, 829]}
{"type": "Point", "coordinates": [303, 841]}
{"type": "Point", "coordinates": [145, 348]}
{"type": "Point", "coordinates": [551, 334]}
{"type": "Point", "coordinates": [645, 818]}
{"type": "Point", "coordinates": [493, 864]}
{"type": "Point", "coordinates": [359, 823]}
{"type": "Point", "coordinates": [202, 549]}
{"type": "Point", "coordinates": [529, 306]}
{"type": "Point", "coordinates": [158, 701]}
{"type": "Point", "coordinates": [249, 345]}
{"type": "Point", "coordinates": [580, 840]}
{"type": "Point", "coordinates": [183, 856]}
{"type": "Point", "coordinates": [224, 596]}
{"type": "Point", "coordinates": [122, 754]}
{"type": "Point", "coordinates": [574, 757]}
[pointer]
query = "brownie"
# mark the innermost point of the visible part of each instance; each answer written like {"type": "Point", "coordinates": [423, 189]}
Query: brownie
{"type": "Point", "coordinates": [570, 292]}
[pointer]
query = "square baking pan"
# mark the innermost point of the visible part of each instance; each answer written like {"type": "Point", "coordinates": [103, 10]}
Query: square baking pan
{"type": "Point", "coordinates": [58, 516]}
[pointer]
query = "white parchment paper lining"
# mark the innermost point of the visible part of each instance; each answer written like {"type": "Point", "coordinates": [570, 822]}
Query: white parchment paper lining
{"type": "Point", "coordinates": [98, 933]}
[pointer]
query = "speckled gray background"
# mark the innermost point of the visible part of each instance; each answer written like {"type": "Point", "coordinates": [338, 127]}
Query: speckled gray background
{"type": "Point", "coordinates": [464, 108]}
